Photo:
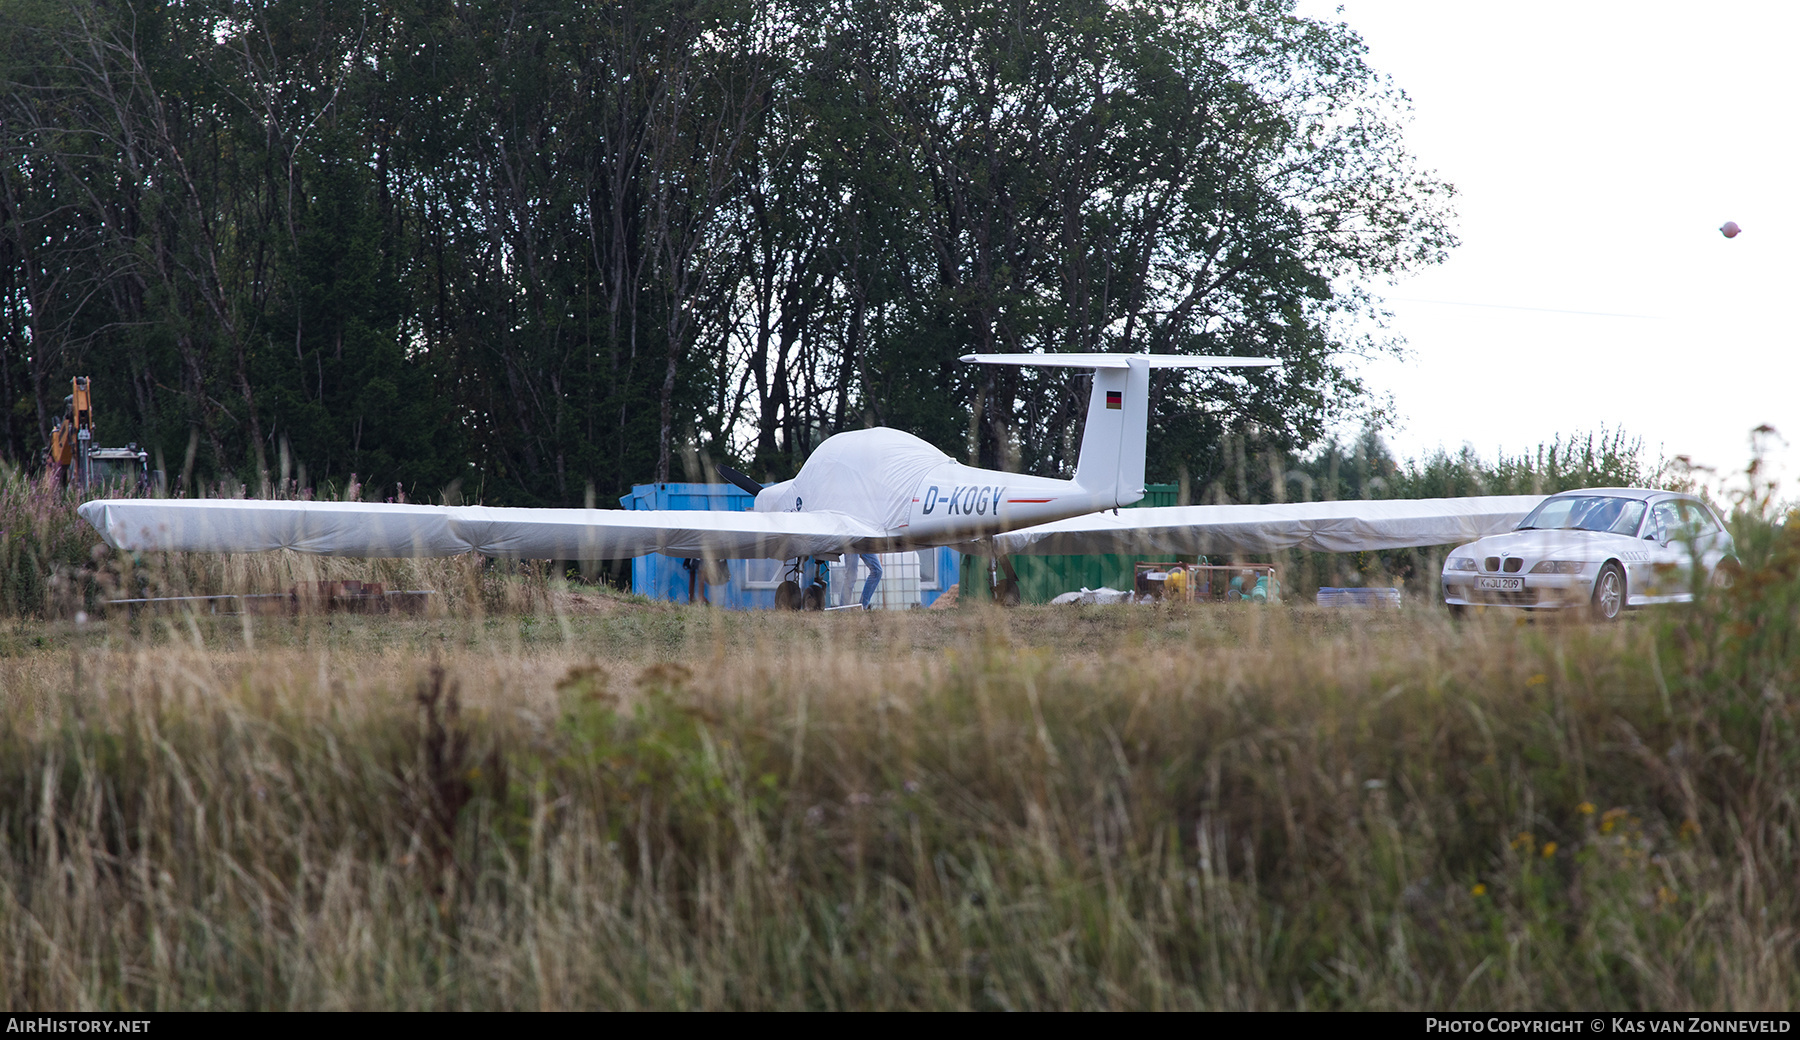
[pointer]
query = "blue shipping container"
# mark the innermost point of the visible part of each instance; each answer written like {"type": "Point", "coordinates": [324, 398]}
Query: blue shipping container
{"type": "Point", "coordinates": [751, 584]}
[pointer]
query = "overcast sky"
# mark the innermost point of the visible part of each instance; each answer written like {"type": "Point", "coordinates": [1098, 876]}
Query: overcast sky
{"type": "Point", "coordinates": [1596, 149]}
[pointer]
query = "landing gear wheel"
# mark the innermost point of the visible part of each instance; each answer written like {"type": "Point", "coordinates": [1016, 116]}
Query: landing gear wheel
{"type": "Point", "coordinates": [787, 595]}
{"type": "Point", "coordinates": [1609, 593]}
{"type": "Point", "coordinates": [815, 597]}
{"type": "Point", "coordinates": [1007, 593]}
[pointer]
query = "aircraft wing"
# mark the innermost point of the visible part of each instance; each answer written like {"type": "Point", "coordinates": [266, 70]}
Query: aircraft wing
{"type": "Point", "coordinates": [375, 529]}
{"type": "Point", "coordinates": [1353, 526]}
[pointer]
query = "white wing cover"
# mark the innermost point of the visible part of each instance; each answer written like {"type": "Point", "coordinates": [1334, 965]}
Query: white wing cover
{"type": "Point", "coordinates": [386, 530]}
{"type": "Point", "coordinates": [1354, 526]}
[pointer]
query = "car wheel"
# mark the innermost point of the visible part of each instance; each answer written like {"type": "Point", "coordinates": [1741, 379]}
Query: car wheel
{"type": "Point", "coordinates": [787, 595]}
{"type": "Point", "coordinates": [1458, 612]}
{"type": "Point", "coordinates": [1609, 593]}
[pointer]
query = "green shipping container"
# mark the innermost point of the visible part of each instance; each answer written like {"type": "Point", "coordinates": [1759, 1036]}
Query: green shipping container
{"type": "Point", "coordinates": [1043, 578]}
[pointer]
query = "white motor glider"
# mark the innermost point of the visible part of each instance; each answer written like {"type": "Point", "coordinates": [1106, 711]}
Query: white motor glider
{"type": "Point", "coordinates": [877, 490]}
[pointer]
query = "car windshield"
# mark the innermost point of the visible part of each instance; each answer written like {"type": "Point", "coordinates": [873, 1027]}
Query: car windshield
{"type": "Point", "coordinates": [1602, 513]}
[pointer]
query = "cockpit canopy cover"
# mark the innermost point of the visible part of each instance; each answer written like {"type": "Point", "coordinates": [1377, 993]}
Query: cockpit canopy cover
{"type": "Point", "coordinates": [868, 474]}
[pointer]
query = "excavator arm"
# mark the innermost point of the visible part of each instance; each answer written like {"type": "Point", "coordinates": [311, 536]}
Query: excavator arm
{"type": "Point", "coordinates": [78, 415]}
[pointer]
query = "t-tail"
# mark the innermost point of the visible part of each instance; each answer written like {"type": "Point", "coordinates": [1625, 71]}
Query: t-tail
{"type": "Point", "coordinates": [1111, 463]}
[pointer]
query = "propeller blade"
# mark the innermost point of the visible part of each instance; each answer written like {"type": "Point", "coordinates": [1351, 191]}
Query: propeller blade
{"type": "Point", "coordinates": [740, 480]}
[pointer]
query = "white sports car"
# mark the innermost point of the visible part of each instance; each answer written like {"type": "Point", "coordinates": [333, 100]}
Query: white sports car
{"type": "Point", "coordinates": [1601, 548]}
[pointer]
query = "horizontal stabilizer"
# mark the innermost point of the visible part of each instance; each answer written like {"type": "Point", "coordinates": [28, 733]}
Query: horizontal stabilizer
{"type": "Point", "coordinates": [1119, 360]}
{"type": "Point", "coordinates": [1359, 525]}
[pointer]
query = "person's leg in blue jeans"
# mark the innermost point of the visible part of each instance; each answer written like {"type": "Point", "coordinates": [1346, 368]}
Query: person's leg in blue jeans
{"type": "Point", "coordinates": [870, 561]}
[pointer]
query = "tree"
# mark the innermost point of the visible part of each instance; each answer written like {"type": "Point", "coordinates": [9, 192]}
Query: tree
{"type": "Point", "coordinates": [533, 252]}
{"type": "Point", "coordinates": [1189, 179]}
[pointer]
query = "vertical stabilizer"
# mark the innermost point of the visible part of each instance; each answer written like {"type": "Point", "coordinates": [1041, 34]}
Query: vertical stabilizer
{"type": "Point", "coordinates": [1133, 442]}
{"type": "Point", "coordinates": [1112, 444]}
{"type": "Point", "coordinates": [1111, 463]}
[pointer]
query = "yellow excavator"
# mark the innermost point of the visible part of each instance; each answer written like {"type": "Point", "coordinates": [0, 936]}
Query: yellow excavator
{"type": "Point", "coordinates": [74, 458]}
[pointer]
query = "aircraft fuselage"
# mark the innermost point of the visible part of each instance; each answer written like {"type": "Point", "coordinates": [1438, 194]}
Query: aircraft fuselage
{"type": "Point", "coordinates": [957, 502]}
{"type": "Point", "coordinates": [866, 475]}
{"type": "Point", "coordinates": [907, 494]}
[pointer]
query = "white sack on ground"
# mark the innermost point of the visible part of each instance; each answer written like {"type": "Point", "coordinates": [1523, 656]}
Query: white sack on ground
{"type": "Point", "coordinates": [1103, 594]}
{"type": "Point", "coordinates": [392, 530]}
{"type": "Point", "coordinates": [1354, 526]}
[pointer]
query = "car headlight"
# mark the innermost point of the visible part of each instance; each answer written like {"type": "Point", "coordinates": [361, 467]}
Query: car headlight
{"type": "Point", "coordinates": [1560, 567]}
{"type": "Point", "coordinates": [1460, 563]}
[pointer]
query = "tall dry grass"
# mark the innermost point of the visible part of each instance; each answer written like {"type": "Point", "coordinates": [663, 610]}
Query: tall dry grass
{"type": "Point", "coordinates": [649, 806]}
{"type": "Point", "coordinates": [54, 565]}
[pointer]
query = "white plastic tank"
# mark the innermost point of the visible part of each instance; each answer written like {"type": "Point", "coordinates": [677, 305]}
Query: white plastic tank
{"type": "Point", "coordinates": [899, 588]}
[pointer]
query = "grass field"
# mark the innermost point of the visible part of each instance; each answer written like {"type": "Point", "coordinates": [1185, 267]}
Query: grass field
{"type": "Point", "coordinates": [588, 801]}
